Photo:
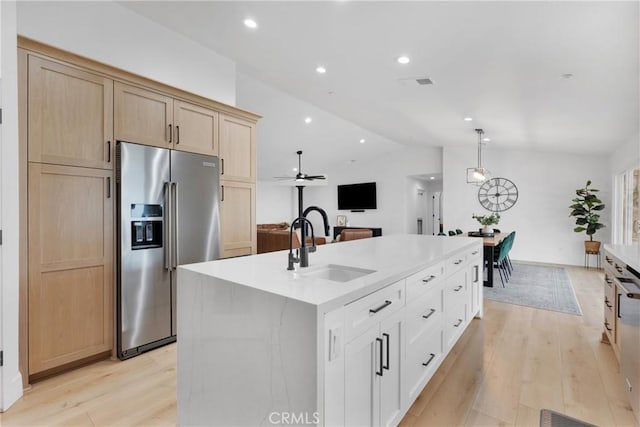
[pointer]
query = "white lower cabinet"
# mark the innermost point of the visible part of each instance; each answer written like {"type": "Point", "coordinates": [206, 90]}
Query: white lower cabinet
{"type": "Point", "coordinates": [382, 349]}
{"type": "Point", "coordinates": [373, 375]}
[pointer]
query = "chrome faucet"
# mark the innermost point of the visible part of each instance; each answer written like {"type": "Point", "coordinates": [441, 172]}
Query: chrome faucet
{"type": "Point", "coordinates": [303, 252]}
{"type": "Point", "coordinates": [321, 211]}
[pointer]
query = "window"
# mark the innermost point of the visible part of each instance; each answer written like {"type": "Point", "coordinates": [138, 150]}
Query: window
{"type": "Point", "coordinates": [626, 224]}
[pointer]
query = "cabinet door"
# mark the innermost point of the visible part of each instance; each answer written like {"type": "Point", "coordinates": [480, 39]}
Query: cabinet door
{"type": "Point", "coordinates": [237, 218]}
{"type": "Point", "coordinates": [70, 115]}
{"type": "Point", "coordinates": [476, 293]}
{"type": "Point", "coordinates": [391, 381]}
{"type": "Point", "coordinates": [142, 116]}
{"type": "Point", "coordinates": [363, 367]}
{"type": "Point", "coordinates": [237, 149]}
{"type": "Point", "coordinates": [70, 264]}
{"type": "Point", "coordinates": [196, 128]}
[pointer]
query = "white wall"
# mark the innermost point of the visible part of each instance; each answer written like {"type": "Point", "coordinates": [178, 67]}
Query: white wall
{"type": "Point", "coordinates": [275, 203]}
{"type": "Point", "coordinates": [546, 184]}
{"type": "Point", "coordinates": [10, 378]}
{"type": "Point", "coordinates": [626, 156]}
{"type": "Point", "coordinates": [390, 174]}
{"type": "Point", "coordinates": [109, 33]}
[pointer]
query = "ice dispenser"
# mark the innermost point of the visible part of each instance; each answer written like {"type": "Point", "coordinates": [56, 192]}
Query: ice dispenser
{"type": "Point", "coordinates": [146, 226]}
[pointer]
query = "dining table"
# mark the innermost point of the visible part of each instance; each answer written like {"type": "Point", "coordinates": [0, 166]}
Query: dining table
{"type": "Point", "coordinates": [488, 245]}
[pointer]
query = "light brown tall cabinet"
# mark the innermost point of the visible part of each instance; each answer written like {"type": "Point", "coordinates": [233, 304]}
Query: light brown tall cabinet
{"type": "Point", "coordinates": [70, 214]}
{"type": "Point", "coordinates": [71, 112]}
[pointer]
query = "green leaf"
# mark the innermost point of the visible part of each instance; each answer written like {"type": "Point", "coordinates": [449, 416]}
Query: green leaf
{"type": "Point", "coordinates": [588, 183]}
{"type": "Point", "coordinates": [581, 221]}
{"type": "Point", "coordinates": [579, 229]}
{"type": "Point", "coordinates": [598, 208]}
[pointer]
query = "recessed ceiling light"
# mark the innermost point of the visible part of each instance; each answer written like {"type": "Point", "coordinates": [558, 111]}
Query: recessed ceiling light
{"type": "Point", "coordinates": [486, 139]}
{"type": "Point", "coordinates": [295, 169]}
{"type": "Point", "coordinates": [403, 59]}
{"type": "Point", "coordinates": [362, 141]}
{"type": "Point", "coordinates": [321, 70]}
{"type": "Point", "coordinates": [468, 119]}
{"type": "Point", "coordinates": [307, 120]}
{"type": "Point", "coordinates": [566, 76]}
{"type": "Point", "coordinates": [432, 177]}
{"type": "Point", "coordinates": [250, 23]}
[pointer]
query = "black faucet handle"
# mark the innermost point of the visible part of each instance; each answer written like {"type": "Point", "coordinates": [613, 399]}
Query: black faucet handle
{"type": "Point", "coordinates": [311, 248]}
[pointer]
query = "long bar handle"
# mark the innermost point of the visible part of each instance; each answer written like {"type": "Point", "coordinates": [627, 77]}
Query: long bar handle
{"type": "Point", "coordinates": [476, 272]}
{"type": "Point", "coordinates": [175, 201]}
{"type": "Point", "coordinates": [221, 166]}
{"type": "Point", "coordinates": [428, 279]}
{"type": "Point", "coordinates": [386, 304]}
{"type": "Point", "coordinates": [170, 133]}
{"type": "Point", "coordinates": [386, 366]}
{"type": "Point", "coordinates": [458, 323]}
{"type": "Point", "coordinates": [177, 134]}
{"type": "Point", "coordinates": [167, 226]}
{"type": "Point", "coordinates": [108, 187]}
{"type": "Point", "coordinates": [431, 357]}
{"type": "Point", "coordinates": [379, 340]}
{"type": "Point", "coordinates": [222, 193]}
{"type": "Point", "coordinates": [433, 310]}
{"type": "Point", "coordinates": [108, 151]}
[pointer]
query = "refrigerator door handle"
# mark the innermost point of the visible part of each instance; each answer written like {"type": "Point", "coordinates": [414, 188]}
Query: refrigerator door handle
{"type": "Point", "coordinates": [175, 201]}
{"type": "Point", "coordinates": [167, 226]}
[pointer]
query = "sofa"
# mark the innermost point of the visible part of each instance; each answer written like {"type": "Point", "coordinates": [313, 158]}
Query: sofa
{"type": "Point", "coordinates": [275, 237]}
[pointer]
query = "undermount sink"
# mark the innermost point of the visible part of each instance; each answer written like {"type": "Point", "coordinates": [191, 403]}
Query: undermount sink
{"type": "Point", "coordinates": [336, 273]}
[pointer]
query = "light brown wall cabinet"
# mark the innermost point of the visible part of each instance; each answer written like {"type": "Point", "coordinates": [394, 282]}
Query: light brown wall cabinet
{"type": "Point", "coordinates": [70, 115]}
{"type": "Point", "coordinates": [70, 264]}
{"type": "Point", "coordinates": [151, 118]}
{"type": "Point", "coordinates": [237, 218]}
{"type": "Point", "coordinates": [237, 149]}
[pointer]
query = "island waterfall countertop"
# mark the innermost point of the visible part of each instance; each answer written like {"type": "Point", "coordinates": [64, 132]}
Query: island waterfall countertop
{"type": "Point", "coordinates": [391, 257]}
{"type": "Point", "coordinates": [629, 254]}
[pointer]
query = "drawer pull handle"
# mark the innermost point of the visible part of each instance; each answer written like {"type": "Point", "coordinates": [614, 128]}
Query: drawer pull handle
{"type": "Point", "coordinates": [458, 288]}
{"type": "Point", "coordinates": [606, 302]}
{"type": "Point", "coordinates": [619, 269]}
{"type": "Point", "coordinates": [606, 325]}
{"type": "Point", "coordinates": [433, 310]}
{"type": "Point", "coordinates": [386, 304]}
{"type": "Point", "coordinates": [608, 259]}
{"type": "Point", "coordinates": [431, 357]}
{"type": "Point", "coordinates": [475, 252]}
{"type": "Point", "coordinates": [457, 262]}
{"type": "Point", "coordinates": [609, 281]}
{"type": "Point", "coordinates": [458, 323]}
{"type": "Point", "coordinates": [428, 279]}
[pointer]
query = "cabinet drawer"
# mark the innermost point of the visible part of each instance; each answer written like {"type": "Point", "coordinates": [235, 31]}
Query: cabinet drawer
{"type": "Point", "coordinates": [424, 280]}
{"type": "Point", "coordinates": [367, 311]}
{"type": "Point", "coordinates": [455, 322]}
{"type": "Point", "coordinates": [425, 313]}
{"type": "Point", "coordinates": [423, 358]}
{"type": "Point", "coordinates": [456, 262]}
{"type": "Point", "coordinates": [456, 290]}
{"type": "Point", "coordinates": [610, 321]}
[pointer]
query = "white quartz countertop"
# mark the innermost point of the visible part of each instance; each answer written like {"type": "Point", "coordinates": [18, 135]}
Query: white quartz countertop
{"type": "Point", "coordinates": [629, 254]}
{"type": "Point", "coordinates": [393, 257]}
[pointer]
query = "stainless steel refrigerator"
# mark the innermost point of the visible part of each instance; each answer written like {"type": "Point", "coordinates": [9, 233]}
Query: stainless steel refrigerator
{"type": "Point", "coordinates": [168, 215]}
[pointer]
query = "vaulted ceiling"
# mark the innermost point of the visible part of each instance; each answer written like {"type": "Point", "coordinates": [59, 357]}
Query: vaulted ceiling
{"type": "Point", "coordinates": [535, 75]}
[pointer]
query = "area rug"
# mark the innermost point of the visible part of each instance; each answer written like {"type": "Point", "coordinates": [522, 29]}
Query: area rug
{"type": "Point", "coordinates": [549, 418]}
{"type": "Point", "coordinates": [537, 286]}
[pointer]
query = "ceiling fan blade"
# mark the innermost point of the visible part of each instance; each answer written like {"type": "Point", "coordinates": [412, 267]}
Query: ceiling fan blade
{"type": "Point", "coordinates": [315, 177]}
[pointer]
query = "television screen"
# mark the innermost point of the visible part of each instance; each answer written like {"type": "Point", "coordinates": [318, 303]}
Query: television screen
{"type": "Point", "coordinates": [357, 196]}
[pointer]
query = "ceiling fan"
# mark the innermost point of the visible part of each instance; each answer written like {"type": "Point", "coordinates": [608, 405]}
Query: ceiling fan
{"type": "Point", "coordinates": [301, 176]}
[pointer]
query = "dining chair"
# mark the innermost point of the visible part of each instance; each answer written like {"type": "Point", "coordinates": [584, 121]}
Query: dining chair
{"type": "Point", "coordinates": [441, 233]}
{"type": "Point", "coordinates": [452, 233]}
{"type": "Point", "coordinates": [458, 231]}
{"type": "Point", "coordinates": [512, 238]}
{"type": "Point", "coordinates": [501, 261]}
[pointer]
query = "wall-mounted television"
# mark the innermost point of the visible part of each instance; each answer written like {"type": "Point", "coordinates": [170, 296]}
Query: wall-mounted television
{"type": "Point", "coordinates": [357, 197]}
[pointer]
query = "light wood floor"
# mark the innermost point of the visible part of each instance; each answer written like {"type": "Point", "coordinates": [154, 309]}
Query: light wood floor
{"type": "Point", "coordinates": [531, 359]}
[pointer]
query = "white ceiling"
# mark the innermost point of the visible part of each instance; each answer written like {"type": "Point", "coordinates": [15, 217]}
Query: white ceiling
{"type": "Point", "coordinates": [498, 62]}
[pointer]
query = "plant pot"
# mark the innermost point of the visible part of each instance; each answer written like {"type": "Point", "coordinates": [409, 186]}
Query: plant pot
{"type": "Point", "coordinates": [487, 229]}
{"type": "Point", "coordinates": [591, 247]}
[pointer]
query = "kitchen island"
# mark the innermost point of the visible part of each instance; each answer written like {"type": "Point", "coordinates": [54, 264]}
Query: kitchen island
{"type": "Point", "coordinates": [352, 339]}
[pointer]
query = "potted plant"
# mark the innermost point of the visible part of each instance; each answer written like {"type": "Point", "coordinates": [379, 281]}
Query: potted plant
{"type": "Point", "coordinates": [487, 221]}
{"type": "Point", "coordinates": [585, 208]}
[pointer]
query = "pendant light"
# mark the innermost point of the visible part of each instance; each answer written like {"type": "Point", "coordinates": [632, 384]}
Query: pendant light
{"type": "Point", "coordinates": [479, 174]}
